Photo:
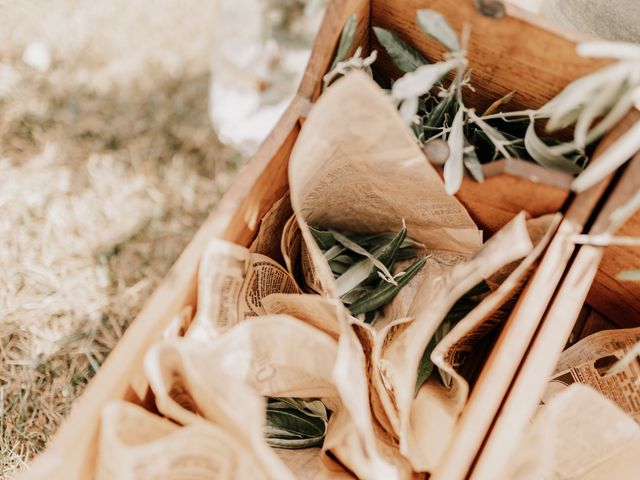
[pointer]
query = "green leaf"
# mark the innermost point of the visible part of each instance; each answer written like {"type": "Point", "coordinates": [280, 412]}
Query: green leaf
{"type": "Point", "coordinates": [425, 366]}
{"type": "Point", "coordinates": [436, 26]}
{"type": "Point", "coordinates": [295, 423]}
{"type": "Point", "coordinates": [354, 295]}
{"type": "Point", "coordinates": [346, 40]}
{"type": "Point", "coordinates": [601, 102]}
{"type": "Point", "coordinates": [384, 293]}
{"type": "Point", "coordinates": [544, 154]}
{"type": "Point", "coordinates": [323, 238]}
{"type": "Point", "coordinates": [460, 309]}
{"type": "Point", "coordinates": [333, 252]}
{"type": "Point", "coordinates": [629, 276]}
{"type": "Point", "coordinates": [373, 241]}
{"type": "Point", "coordinates": [420, 81]}
{"type": "Point", "coordinates": [499, 103]}
{"type": "Point", "coordinates": [565, 107]}
{"type": "Point", "coordinates": [354, 247]}
{"type": "Point", "coordinates": [453, 168]}
{"type": "Point", "coordinates": [403, 55]}
{"type": "Point", "coordinates": [435, 117]}
{"type": "Point", "coordinates": [615, 155]}
{"type": "Point", "coordinates": [472, 163]}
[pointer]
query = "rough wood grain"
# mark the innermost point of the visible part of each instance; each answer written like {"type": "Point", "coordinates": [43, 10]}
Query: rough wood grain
{"type": "Point", "coordinates": [618, 300]}
{"type": "Point", "coordinates": [500, 197]}
{"type": "Point", "coordinates": [518, 53]}
{"type": "Point", "coordinates": [326, 42]}
{"type": "Point", "coordinates": [530, 382]}
{"type": "Point", "coordinates": [502, 364]}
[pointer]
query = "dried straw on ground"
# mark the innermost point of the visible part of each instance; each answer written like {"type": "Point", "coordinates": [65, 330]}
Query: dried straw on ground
{"type": "Point", "coordinates": [103, 181]}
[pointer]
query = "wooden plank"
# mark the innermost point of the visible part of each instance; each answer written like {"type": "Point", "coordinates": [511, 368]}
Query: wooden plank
{"type": "Point", "coordinates": [72, 453]}
{"type": "Point", "coordinates": [494, 202]}
{"type": "Point", "coordinates": [618, 300]}
{"type": "Point", "coordinates": [326, 42]}
{"type": "Point", "coordinates": [595, 323]}
{"type": "Point", "coordinates": [502, 364]}
{"type": "Point", "coordinates": [539, 364]}
{"type": "Point", "coordinates": [520, 53]}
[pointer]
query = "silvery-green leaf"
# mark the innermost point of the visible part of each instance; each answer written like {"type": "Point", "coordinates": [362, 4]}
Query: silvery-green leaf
{"type": "Point", "coordinates": [338, 268]}
{"type": "Point", "coordinates": [499, 103]}
{"type": "Point", "coordinates": [494, 136]}
{"type": "Point", "coordinates": [626, 360]}
{"type": "Point", "coordinates": [403, 55]}
{"type": "Point", "coordinates": [441, 332]}
{"type": "Point", "coordinates": [333, 252]}
{"type": "Point", "coordinates": [453, 168]}
{"type": "Point", "coordinates": [313, 408]}
{"type": "Point", "coordinates": [629, 275]}
{"type": "Point", "coordinates": [354, 295]}
{"type": "Point", "coordinates": [471, 162]}
{"type": "Point", "coordinates": [425, 367]}
{"type": "Point", "coordinates": [436, 26]}
{"type": "Point", "coordinates": [295, 422]}
{"type": "Point", "coordinates": [545, 155]}
{"type": "Point", "coordinates": [346, 40]}
{"type": "Point", "coordinates": [564, 108]}
{"type": "Point", "coordinates": [619, 110]}
{"type": "Point", "coordinates": [436, 116]}
{"type": "Point", "coordinates": [354, 247]}
{"type": "Point", "coordinates": [601, 102]}
{"type": "Point", "coordinates": [409, 108]}
{"type": "Point", "coordinates": [323, 238]}
{"type": "Point", "coordinates": [614, 156]}
{"type": "Point", "coordinates": [293, 443]}
{"type": "Point", "coordinates": [420, 81]}
{"type": "Point", "coordinates": [373, 241]}
{"type": "Point", "coordinates": [607, 49]}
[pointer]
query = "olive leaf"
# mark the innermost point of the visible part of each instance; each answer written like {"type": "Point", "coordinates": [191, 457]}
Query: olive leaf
{"type": "Point", "coordinates": [453, 168]}
{"type": "Point", "coordinates": [372, 241]}
{"type": "Point", "coordinates": [472, 163]}
{"type": "Point", "coordinates": [324, 239]}
{"type": "Point", "coordinates": [354, 247]}
{"type": "Point", "coordinates": [609, 49]}
{"type": "Point", "coordinates": [346, 41]}
{"type": "Point", "coordinates": [629, 276]}
{"type": "Point", "coordinates": [436, 26]}
{"type": "Point", "coordinates": [495, 136]}
{"type": "Point", "coordinates": [295, 423]}
{"type": "Point", "coordinates": [460, 309]}
{"type": "Point", "coordinates": [565, 108]}
{"type": "Point", "coordinates": [403, 55]}
{"type": "Point", "coordinates": [499, 103]}
{"type": "Point", "coordinates": [425, 367]}
{"type": "Point", "coordinates": [420, 81]}
{"type": "Point", "coordinates": [365, 270]}
{"type": "Point", "coordinates": [625, 361]}
{"type": "Point", "coordinates": [409, 108]}
{"type": "Point", "coordinates": [435, 118]}
{"type": "Point", "coordinates": [614, 156]}
{"type": "Point", "coordinates": [546, 155]}
{"type": "Point", "coordinates": [386, 292]}
{"type": "Point", "coordinates": [603, 100]}
{"type": "Point", "coordinates": [334, 252]}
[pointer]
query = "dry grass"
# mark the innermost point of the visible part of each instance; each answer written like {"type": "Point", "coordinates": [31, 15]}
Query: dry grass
{"type": "Point", "coordinates": [100, 190]}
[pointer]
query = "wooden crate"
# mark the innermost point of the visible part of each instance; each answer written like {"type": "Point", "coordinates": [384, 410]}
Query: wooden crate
{"type": "Point", "coordinates": [510, 53]}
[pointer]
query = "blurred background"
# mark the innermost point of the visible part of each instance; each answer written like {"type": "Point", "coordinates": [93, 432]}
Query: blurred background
{"type": "Point", "coordinates": [121, 124]}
